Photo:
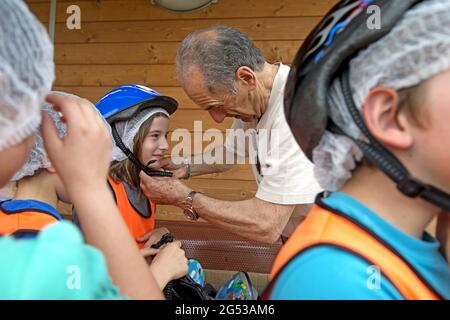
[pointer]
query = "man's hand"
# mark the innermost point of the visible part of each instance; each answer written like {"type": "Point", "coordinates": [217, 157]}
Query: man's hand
{"type": "Point", "coordinates": [153, 236]}
{"type": "Point", "coordinates": [175, 165]}
{"type": "Point", "coordinates": [164, 190]}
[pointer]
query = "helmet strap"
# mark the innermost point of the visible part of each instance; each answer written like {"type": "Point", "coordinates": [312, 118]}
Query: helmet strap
{"type": "Point", "coordinates": [130, 155]}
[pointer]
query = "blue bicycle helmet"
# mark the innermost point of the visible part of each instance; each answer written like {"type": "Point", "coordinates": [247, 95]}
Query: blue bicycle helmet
{"type": "Point", "coordinates": [324, 56]}
{"type": "Point", "coordinates": [125, 102]}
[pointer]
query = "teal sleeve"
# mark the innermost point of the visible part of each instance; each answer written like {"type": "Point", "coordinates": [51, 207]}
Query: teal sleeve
{"type": "Point", "coordinates": [328, 273]}
{"type": "Point", "coordinates": [55, 265]}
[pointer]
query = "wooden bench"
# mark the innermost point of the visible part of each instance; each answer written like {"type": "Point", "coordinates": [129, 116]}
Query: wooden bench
{"type": "Point", "coordinates": [218, 249]}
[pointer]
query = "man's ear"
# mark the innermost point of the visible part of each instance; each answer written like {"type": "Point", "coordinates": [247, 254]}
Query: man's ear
{"type": "Point", "coordinates": [246, 76]}
{"type": "Point", "coordinates": [387, 125]}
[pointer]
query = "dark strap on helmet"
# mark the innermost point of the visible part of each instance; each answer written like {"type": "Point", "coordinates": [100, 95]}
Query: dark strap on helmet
{"type": "Point", "coordinates": [376, 153]}
{"type": "Point", "coordinates": [130, 155]}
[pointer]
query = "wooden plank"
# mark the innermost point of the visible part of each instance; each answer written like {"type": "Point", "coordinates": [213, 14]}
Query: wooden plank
{"type": "Point", "coordinates": [290, 28]}
{"type": "Point", "coordinates": [224, 189]}
{"type": "Point", "coordinates": [95, 93]}
{"type": "Point", "coordinates": [115, 75]}
{"type": "Point", "coordinates": [237, 173]}
{"type": "Point", "coordinates": [64, 209]}
{"type": "Point", "coordinates": [154, 52]}
{"type": "Point", "coordinates": [170, 213]}
{"type": "Point", "coordinates": [141, 10]}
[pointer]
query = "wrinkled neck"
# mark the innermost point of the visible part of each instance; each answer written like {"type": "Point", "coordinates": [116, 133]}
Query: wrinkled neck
{"type": "Point", "coordinates": [266, 78]}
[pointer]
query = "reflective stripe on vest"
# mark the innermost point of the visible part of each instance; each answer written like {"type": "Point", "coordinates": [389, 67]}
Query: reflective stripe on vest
{"type": "Point", "coordinates": [24, 221]}
{"type": "Point", "coordinates": [137, 224]}
{"type": "Point", "coordinates": [331, 228]}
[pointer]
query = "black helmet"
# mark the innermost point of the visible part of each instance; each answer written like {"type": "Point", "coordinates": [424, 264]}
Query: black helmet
{"type": "Point", "coordinates": [324, 56]}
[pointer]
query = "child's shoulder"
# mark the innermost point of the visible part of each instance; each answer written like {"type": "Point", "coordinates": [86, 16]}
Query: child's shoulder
{"type": "Point", "coordinates": [332, 273]}
{"type": "Point", "coordinates": [17, 206]}
{"type": "Point", "coordinates": [57, 264]}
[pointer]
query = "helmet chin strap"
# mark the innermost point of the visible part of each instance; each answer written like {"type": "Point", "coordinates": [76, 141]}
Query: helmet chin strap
{"type": "Point", "coordinates": [385, 160]}
{"type": "Point", "coordinates": [132, 157]}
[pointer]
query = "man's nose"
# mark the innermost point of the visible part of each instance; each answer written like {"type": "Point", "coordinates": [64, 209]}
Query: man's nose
{"type": "Point", "coordinates": [218, 115]}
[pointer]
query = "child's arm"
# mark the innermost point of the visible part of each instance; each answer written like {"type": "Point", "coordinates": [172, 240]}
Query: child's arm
{"type": "Point", "coordinates": [82, 159]}
{"type": "Point", "coordinates": [443, 233]}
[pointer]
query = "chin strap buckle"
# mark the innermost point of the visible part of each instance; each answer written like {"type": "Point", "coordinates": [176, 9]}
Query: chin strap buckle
{"type": "Point", "coordinates": [411, 187]}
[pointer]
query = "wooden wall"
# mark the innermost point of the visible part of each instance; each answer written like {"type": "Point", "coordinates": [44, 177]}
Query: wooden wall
{"type": "Point", "coordinates": [132, 41]}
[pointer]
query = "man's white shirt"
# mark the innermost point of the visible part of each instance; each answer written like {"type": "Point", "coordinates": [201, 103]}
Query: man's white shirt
{"type": "Point", "coordinates": [285, 175]}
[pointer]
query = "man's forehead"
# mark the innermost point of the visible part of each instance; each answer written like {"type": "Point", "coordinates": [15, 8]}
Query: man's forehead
{"type": "Point", "coordinates": [195, 86]}
{"type": "Point", "coordinates": [205, 101]}
{"type": "Point", "coordinates": [193, 80]}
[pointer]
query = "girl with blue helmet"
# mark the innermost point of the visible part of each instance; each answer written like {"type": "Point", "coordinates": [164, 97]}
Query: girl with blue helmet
{"type": "Point", "coordinates": [138, 118]}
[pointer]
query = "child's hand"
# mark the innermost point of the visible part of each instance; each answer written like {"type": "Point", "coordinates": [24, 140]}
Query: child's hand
{"type": "Point", "coordinates": [169, 264]}
{"type": "Point", "coordinates": [149, 252]}
{"type": "Point", "coordinates": [153, 236]}
{"type": "Point", "coordinates": [81, 158]}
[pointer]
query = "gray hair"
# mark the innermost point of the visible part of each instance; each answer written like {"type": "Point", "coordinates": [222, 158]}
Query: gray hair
{"type": "Point", "coordinates": [218, 51]}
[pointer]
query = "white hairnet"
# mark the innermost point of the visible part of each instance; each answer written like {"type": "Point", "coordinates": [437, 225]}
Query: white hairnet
{"type": "Point", "coordinates": [26, 71]}
{"type": "Point", "coordinates": [127, 130]}
{"type": "Point", "coordinates": [416, 49]}
{"type": "Point", "coordinates": [38, 157]}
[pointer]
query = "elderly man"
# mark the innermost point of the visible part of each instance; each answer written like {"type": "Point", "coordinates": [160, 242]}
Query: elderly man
{"type": "Point", "coordinates": [223, 72]}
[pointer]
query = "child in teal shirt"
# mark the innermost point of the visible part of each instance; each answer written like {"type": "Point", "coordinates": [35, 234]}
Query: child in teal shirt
{"type": "Point", "coordinates": [57, 264]}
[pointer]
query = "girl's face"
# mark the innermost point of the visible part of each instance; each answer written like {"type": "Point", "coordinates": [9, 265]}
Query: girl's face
{"type": "Point", "coordinates": [155, 143]}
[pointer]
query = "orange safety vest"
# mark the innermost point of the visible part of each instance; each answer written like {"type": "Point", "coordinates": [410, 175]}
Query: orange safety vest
{"type": "Point", "coordinates": [138, 225]}
{"type": "Point", "coordinates": [25, 222]}
{"type": "Point", "coordinates": [332, 228]}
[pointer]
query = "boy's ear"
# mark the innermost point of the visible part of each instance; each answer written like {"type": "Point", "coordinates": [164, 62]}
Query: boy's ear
{"type": "Point", "coordinates": [246, 76]}
{"type": "Point", "coordinates": [387, 125]}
